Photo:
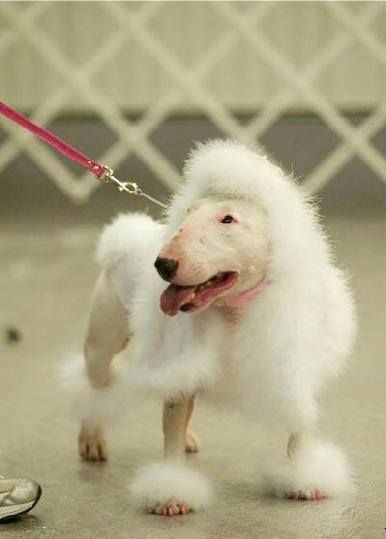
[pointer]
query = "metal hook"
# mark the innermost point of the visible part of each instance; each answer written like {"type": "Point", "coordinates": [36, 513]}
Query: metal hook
{"type": "Point", "coordinates": [129, 187]}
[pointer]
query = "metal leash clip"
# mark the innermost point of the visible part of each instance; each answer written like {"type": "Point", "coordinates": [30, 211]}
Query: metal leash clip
{"type": "Point", "coordinates": [129, 187]}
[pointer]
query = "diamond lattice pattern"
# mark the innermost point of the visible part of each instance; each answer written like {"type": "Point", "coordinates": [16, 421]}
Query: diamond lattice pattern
{"type": "Point", "coordinates": [216, 59]}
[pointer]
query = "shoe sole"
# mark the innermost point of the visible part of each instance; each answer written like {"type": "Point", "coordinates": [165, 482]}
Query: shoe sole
{"type": "Point", "coordinates": [19, 510]}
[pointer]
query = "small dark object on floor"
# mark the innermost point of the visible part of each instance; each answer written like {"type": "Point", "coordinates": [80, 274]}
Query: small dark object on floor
{"type": "Point", "coordinates": [13, 335]}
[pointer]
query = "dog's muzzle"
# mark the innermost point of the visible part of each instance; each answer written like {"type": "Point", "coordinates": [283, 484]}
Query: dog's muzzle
{"type": "Point", "coordinates": [166, 267]}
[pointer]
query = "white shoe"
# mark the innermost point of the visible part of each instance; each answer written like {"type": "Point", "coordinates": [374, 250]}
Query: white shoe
{"type": "Point", "coordinates": [17, 497]}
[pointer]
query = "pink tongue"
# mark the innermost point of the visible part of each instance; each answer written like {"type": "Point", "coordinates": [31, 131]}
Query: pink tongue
{"type": "Point", "coordinates": [174, 297]}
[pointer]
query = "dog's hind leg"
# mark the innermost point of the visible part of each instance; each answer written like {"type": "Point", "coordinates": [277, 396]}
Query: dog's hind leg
{"type": "Point", "coordinates": [106, 336]}
{"type": "Point", "coordinates": [107, 332]}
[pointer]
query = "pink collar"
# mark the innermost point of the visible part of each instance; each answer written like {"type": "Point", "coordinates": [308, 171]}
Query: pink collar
{"type": "Point", "coordinates": [240, 300]}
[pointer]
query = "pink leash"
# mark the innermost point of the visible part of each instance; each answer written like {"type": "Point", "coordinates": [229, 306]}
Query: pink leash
{"type": "Point", "coordinates": [101, 172]}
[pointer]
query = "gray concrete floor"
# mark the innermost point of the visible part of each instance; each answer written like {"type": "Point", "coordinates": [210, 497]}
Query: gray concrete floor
{"type": "Point", "coordinates": [46, 275]}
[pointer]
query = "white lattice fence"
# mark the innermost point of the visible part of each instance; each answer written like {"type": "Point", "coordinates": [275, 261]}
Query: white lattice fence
{"type": "Point", "coordinates": [188, 83]}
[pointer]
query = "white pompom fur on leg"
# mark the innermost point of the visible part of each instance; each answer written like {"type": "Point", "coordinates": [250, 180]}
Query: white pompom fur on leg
{"type": "Point", "coordinates": [154, 485]}
{"type": "Point", "coordinates": [315, 467]}
{"type": "Point", "coordinates": [98, 406]}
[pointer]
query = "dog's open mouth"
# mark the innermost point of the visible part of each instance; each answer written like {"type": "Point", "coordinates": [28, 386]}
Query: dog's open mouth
{"type": "Point", "coordinates": [193, 298]}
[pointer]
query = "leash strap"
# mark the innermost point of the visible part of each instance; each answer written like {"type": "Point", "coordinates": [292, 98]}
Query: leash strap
{"type": "Point", "coordinates": [101, 172]}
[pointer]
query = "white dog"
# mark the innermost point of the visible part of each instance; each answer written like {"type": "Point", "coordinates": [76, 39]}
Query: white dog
{"type": "Point", "coordinates": [255, 315]}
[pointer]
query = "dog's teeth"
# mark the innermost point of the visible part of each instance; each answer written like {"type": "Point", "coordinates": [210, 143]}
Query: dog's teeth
{"type": "Point", "coordinates": [209, 282]}
{"type": "Point", "coordinates": [191, 297]}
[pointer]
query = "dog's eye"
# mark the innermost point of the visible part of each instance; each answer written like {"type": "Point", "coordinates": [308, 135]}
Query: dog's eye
{"type": "Point", "coordinates": [228, 219]}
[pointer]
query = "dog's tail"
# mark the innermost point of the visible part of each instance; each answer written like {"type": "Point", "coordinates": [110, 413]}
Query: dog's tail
{"type": "Point", "coordinates": [129, 234]}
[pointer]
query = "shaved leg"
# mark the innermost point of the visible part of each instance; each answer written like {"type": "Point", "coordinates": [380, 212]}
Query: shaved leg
{"type": "Point", "coordinates": [176, 415]}
{"type": "Point", "coordinates": [107, 335]}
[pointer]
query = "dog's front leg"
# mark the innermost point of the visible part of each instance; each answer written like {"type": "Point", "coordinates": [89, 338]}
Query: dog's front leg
{"type": "Point", "coordinates": [171, 488]}
{"type": "Point", "coordinates": [314, 469]}
{"type": "Point", "coordinates": [178, 435]}
{"type": "Point", "coordinates": [176, 414]}
{"type": "Point", "coordinates": [319, 468]}
{"type": "Point", "coordinates": [175, 418]}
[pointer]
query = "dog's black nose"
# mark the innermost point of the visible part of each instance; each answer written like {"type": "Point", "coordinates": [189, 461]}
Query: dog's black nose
{"type": "Point", "coordinates": [166, 267]}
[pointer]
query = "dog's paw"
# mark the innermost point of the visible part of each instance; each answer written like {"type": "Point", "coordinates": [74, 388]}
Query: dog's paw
{"type": "Point", "coordinates": [169, 509]}
{"type": "Point", "coordinates": [169, 489]}
{"type": "Point", "coordinates": [92, 444]}
{"type": "Point", "coordinates": [315, 471]}
{"type": "Point", "coordinates": [192, 444]}
{"type": "Point", "coordinates": [303, 495]}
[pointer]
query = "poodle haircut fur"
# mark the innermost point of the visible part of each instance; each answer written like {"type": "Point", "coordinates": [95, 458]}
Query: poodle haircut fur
{"type": "Point", "coordinates": [256, 316]}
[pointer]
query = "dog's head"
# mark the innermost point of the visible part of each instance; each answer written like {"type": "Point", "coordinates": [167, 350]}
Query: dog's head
{"type": "Point", "coordinates": [220, 251]}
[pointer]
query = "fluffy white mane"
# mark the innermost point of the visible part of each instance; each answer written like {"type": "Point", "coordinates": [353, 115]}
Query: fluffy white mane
{"type": "Point", "coordinates": [230, 168]}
